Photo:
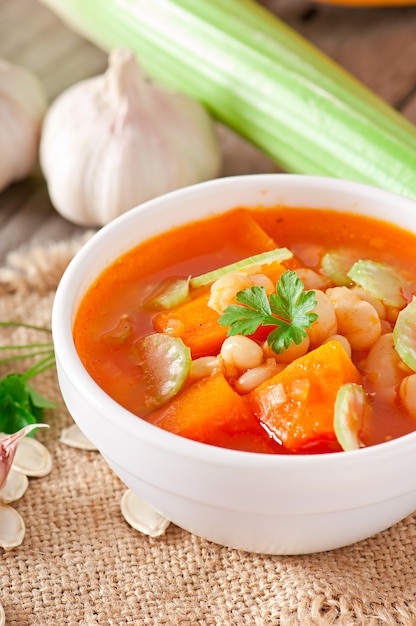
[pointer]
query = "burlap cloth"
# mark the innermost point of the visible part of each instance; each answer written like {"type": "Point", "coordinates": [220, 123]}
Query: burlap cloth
{"type": "Point", "coordinates": [80, 563]}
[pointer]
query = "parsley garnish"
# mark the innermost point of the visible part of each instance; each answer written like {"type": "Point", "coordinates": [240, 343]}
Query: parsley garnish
{"type": "Point", "coordinates": [20, 403]}
{"type": "Point", "coordinates": [288, 310]}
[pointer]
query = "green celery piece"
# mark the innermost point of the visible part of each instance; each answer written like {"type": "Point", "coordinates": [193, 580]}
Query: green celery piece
{"type": "Point", "coordinates": [264, 258]}
{"type": "Point", "coordinates": [404, 334]}
{"type": "Point", "coordinates": [350, 406]}
{"type": "Point", "coordinates": [336, 265]}
{"type": "Point", "coordinates": [164, 363]}
{"type": "Point", "coordinates": [262, 79]}
{"type": "Point", "coordinates": [169, 293]}
{"type": "Point", "coordinates": [381, 280]}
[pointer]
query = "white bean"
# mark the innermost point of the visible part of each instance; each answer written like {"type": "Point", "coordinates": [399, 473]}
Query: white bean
{"type": "Point", "coordinates": [342, 340]}
{"type": "Point", "coordinates": [254, 377]}
{"type": "Point", "coordinates": [357, 319]}
{"type": "Point", "coordinates": [241, 353]}
{"type": "Point", "coordinates": [261, 280]}
{"type": "Point", "coordinates": [326, 324]}
{"type": "Point", "coordinates": [311, 279]}
{"type": "Point", "coordinates": [287, 356]}
{"type": "Point", "coordinates": [224, 290]}
{"type": "Point", "coordinates": [377, 304]}
{"type": "Point", "coordinates": [384, 367]}
{"type": "Point", "coordinates": [407, 393]}
{"type": "Point", "coordinates": [205, 366]}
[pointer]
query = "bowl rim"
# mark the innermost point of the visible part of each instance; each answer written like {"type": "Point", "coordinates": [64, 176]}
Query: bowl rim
{"type": "Point", "coordinates": [115, 413]}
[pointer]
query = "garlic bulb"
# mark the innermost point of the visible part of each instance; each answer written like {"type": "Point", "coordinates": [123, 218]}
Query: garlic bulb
{"type": "Point", "coordinates": [23, 104]}
{"type": "Point", "coordinates": [114, 141]}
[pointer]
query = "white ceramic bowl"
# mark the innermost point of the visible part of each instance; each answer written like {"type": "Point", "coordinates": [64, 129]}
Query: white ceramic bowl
{"type": "Point", "coordinates": [262, 503]}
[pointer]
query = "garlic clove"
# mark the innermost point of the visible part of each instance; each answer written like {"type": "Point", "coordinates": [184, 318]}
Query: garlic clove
{"type": "Point", "coordinates": [114, 141]}
{"type": "Point", "coordinates": [32, 458]}
{"type": "Point", "coordinates": [141, 516]}
{"type": "Point", "coordinates": [23, 104]}
{"type": "Point", "coordinates": [75, 438]}
{"type": "Point", "coordinates": [12, 527]}
{"type": "Point", "coordinates": [14, 487]}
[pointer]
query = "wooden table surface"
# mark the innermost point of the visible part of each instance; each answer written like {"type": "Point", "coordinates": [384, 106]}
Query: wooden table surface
{"type": "Point", "coordinates": [376, 45]}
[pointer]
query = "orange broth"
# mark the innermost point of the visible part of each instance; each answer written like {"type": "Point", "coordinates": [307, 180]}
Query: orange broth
{"type": "Point", "coordinates": [207, 244]}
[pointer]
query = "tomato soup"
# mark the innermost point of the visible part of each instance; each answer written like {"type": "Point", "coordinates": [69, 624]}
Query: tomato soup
{"type": "Point", "coordinates": [343, 374]}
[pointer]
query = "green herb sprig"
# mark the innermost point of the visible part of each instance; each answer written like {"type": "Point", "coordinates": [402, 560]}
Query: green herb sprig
{"type": "Point", "coordinates": [288, 310]}
{"type": "Point", "coordinates": [20, 403]}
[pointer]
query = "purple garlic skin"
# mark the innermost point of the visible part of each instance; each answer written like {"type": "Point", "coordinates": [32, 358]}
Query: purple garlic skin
{"type": "Point", "coordinates": [8, 447]}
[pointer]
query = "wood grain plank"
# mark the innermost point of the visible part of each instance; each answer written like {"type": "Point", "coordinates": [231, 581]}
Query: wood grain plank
{"type": "Point", "coordinates": [32, 36]}
{"type": "Point", "coordinates": [377, 46]}
{"type": "Point", "coordinates": [409, 108]}
{"type": "Point", "coordinates": [28, 218]}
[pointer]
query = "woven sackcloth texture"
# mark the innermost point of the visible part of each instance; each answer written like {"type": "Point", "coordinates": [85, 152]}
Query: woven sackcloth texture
{"type": "Point", "coordinates": [81, 564]}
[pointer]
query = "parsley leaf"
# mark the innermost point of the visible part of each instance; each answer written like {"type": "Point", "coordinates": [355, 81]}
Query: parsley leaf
{"type": "Point", "coordinates": [289, 310]}
{"type": "Point", "coordinates": [245, 320]}
{"type": "Point", "coordinates": [20, 403]}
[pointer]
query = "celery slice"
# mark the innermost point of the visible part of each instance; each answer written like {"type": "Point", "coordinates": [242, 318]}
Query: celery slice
{"type": "Point", "coordinates": [262, 79]}
{"type": "Point", "coordinates": [350, 406]}
{"type": "Point", "coordinates": [404, 334]}
{"type": "Point", "coordinates": [264, 258]}
{"type": "Point", "coordinates": [164, 363]}
{"type": "Point", "coordinates": [381, 280]}
{"type": "Point", "coordinates": [336, 265]}
{"type": "Point", "coordinates": [168, 294]}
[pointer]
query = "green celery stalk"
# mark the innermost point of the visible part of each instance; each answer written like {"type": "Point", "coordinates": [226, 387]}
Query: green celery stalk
{"type": "Point", "coordinates": [263, 80]}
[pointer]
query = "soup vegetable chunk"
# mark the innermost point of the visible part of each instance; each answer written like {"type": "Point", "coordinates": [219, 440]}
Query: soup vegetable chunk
{"type": "Point", "coordinates": [281, 331]}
